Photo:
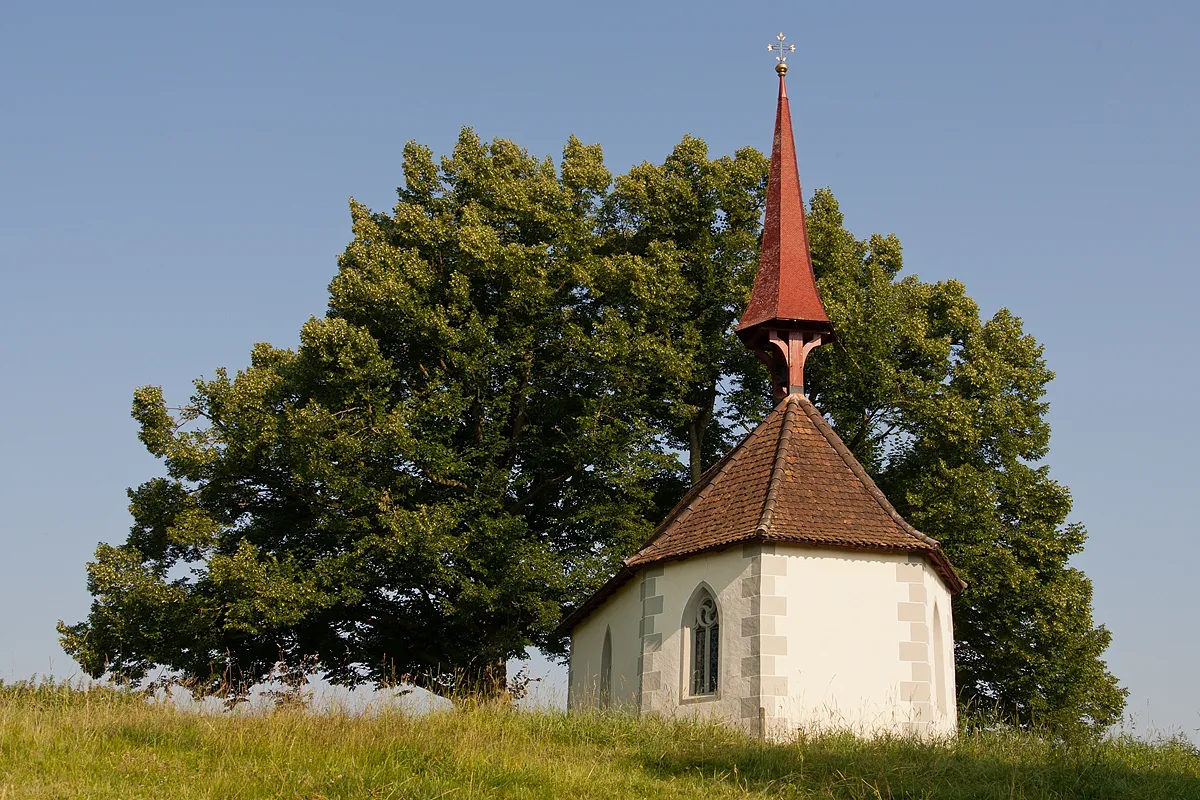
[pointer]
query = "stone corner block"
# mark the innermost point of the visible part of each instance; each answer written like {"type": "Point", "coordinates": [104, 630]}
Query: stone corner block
{"type": "Point", "coordinates": [774, 565]}
{"type": "Point", "coordinates": [910, 612]}
{"type": "Point", "coordinates": [652, 605]}
{"type": "Point", "coordinates": [772, 645]}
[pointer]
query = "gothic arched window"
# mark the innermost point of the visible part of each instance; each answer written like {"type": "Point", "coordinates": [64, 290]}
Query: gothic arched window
{"type": "Point", "coordinates": [939, 661]}
{"type": "Point", "coordinates": [706, 638]}
{"type": "Point", "coordinates": [606, 670]}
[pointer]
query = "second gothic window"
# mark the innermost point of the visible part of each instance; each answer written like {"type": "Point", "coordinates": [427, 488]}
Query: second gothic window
{"type": "Point", "coordinates": [706, 638]}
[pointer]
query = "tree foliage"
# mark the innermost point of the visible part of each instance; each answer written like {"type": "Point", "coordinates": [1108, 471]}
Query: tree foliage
{"type": "Point", "coordinates": [455, 450]}
{"type": "Point", "coordinates": [947, 411]}
{"type": "Point", "coordinates": [490, 416]}
{"type": "Point", "coordinates": [697, 222]}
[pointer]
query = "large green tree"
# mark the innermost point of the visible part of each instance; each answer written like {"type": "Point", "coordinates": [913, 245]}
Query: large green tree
{"type": "Point", "coordinates": [455, 450]}
{"type": "Point", "coordinates": [490, 414]}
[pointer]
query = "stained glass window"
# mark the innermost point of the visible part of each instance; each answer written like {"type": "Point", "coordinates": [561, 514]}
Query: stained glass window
{"type": "Point", "coordinates": [706, 638]}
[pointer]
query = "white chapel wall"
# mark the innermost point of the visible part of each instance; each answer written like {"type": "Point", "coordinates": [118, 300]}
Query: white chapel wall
{"type": "Point", "coordinates": [666, 686]}
{"type": "Point", "coordinates": [819, 638]}
{"type": "Point", "coordinates": [816, 638]}
{"type": "Point", "coordinates": [858, 642]}
{"type": "Point", "coordinates": [620, 616]}
{"type": "Point", "coordinates": [944, 692]}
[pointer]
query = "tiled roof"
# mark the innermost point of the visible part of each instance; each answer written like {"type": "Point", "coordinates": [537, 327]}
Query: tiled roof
{"type": "Point", "coordinates": [790, 480]}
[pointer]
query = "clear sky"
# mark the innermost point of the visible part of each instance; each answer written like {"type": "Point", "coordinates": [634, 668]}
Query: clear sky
{"type": "Point", "coordinates": [174, 180]}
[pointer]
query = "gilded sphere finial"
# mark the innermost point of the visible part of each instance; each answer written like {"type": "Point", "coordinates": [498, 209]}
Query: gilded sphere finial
{"type": "Point", "coordinates": [781, 68]}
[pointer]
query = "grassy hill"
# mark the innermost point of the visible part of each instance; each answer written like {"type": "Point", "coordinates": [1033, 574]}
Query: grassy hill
{"type": "Point", "coordinates": [60, 743]}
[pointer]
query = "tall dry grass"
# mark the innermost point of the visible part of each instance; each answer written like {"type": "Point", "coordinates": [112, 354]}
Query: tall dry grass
{"type": "Point", "coordinates": [57, 741]}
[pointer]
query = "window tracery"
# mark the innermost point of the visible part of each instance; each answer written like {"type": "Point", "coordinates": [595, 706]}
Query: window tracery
{"type": "Point", "coordinates": [706, 639]}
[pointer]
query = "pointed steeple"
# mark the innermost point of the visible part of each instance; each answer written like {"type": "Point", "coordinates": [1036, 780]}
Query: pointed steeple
{"type": "Point", "coordinates": [785, 318]}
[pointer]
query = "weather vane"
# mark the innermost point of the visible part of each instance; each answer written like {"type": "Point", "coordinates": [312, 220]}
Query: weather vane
{"type": "Point", "coordinates": [782, 49]}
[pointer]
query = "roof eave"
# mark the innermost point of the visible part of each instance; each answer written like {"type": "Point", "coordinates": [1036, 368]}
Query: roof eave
{"type": "Point", "coordinates": [937, 560]}
{"type": "Point", "coordinates": [585, 609]}
{"type": "Point", "coordinates": [753, 333]}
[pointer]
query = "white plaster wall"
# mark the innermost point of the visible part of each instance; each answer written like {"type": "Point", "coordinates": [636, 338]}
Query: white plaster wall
{"type": "Point", "coordinates": [854, 632]}
{"type": "Point", "coordinates": [946, 717]}
{"type": "Point", "coordinates": [622, 616]}
{"type": "Point", "coordinates": [844, 641]}
{"type": "Point", "coordinates": [842, 663]}
{"type": "Point", "coordinates": [721, 572]}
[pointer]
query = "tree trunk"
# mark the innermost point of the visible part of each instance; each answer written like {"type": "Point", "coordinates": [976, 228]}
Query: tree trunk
{"type": "Point", "coordinates": [696, 437]}
{"type": "Point", "coordinates": [697, 429]}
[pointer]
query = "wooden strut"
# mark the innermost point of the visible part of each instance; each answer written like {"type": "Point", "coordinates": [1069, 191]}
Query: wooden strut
{"type": "Point", "coordinates": [790, 350]}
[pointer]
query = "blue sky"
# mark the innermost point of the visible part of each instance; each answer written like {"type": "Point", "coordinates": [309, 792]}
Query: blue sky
{"type": "Point", "coordinates": [174, 180]}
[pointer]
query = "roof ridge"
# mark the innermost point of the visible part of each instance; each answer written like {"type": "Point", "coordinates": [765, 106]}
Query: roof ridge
{"type": "Point", "coordinates": [860, 472]}
{"type": "Point", "coordinates": [697, 492]}
{"type": "Point", "coordinates": [777, 470]}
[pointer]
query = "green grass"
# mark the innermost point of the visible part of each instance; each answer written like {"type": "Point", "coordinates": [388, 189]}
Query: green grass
{"type": "Point", "coordinates": [56, 742]}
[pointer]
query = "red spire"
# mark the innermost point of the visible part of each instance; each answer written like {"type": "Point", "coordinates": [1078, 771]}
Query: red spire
{"type": "Point", "coordinates": [784, 305]}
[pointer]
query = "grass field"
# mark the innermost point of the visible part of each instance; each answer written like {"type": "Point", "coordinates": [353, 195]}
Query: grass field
{"type": "Point", "coordinates": [56, 742]}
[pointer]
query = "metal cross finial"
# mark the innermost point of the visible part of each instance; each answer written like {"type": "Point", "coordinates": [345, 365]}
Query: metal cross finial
{"type": "Point", "coordinates": [782, 49]}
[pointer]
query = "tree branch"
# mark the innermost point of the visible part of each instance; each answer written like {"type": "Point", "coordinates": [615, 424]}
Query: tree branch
{"type": "Point", "coordinates": [540, 489]}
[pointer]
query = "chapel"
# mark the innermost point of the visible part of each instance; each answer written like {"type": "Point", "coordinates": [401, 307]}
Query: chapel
{"type": "Point", "coordinates": [784, 591]}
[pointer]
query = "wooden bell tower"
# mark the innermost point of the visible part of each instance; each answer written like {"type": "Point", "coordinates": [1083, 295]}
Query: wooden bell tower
{"type": "Point", "coordinates": [785, 319]}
